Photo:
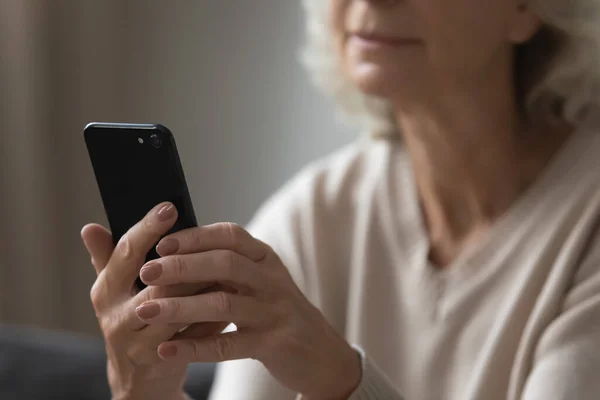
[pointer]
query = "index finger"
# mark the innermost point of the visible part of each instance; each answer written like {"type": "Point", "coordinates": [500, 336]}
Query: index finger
{"type": "Point", "coordinates": [130, 252]}
{"type": "Point", "coordinates": [221, 236]}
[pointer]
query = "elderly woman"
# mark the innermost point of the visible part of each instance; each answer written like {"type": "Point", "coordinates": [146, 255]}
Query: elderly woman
{"type": "Point", "coordinates": [453, 254]}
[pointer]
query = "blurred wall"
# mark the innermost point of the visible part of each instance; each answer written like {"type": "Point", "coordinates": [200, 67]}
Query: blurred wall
{"type": "Point", "coordinates": [222, 75]}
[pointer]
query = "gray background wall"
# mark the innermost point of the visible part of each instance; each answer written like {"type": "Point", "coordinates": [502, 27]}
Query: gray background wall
{"type": "Point", "coordinates": [223, 75]}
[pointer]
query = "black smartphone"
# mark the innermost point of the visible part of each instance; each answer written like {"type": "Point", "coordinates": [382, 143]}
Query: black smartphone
{"type": "Point", "coordinates": [137, 166]}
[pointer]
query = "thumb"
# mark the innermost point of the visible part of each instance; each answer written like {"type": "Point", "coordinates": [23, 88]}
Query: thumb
{"type": "Point", "coordinates": [98, 242]}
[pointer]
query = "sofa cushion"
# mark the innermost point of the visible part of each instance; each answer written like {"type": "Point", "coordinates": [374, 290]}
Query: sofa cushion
{"type": "Point", "coordinates": [37, 364]}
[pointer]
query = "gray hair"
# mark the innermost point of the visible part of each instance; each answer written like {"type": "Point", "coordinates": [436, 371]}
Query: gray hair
{"type": "Point", "coordinates": [557, 71]}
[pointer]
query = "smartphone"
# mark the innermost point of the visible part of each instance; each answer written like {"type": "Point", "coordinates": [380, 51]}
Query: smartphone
{"type": "Point", "coordinates": [137, 166]}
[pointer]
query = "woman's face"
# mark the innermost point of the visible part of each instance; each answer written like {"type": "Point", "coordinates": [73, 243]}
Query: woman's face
{"type": "Point", "coordinates": [412, 47]}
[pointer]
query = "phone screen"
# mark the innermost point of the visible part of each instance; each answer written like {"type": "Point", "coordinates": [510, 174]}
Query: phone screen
{"type": "Point", "coordinates": [137, 167]}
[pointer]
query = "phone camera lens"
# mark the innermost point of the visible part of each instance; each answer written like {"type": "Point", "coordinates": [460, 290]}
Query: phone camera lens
{"type": "Point", "coordinates": [155, 140]}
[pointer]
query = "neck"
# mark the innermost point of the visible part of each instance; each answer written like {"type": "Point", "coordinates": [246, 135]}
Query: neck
{"type": "Point", "coordinates": [472, 158]}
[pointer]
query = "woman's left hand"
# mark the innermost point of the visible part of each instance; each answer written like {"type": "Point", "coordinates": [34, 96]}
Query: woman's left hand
{"type": "Point", "coordinates": [276, 324]}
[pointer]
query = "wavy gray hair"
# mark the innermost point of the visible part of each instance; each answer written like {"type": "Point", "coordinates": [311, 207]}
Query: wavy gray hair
{"type": "Point", "coordinates": [557, 72]}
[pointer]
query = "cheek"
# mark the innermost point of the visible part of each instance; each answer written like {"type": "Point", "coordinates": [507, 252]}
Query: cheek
{"type": "Point", "coordinates": [467, 36]}
{"type": "Point", "coordinates": [462, 56]}
{"type": "Point", "coordinates": [337, 13]}
{"type": "Point", "coordinates": [336, 18]}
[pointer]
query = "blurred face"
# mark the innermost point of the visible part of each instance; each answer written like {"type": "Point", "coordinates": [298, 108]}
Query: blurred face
{"type": "Point", "coordinates": [412, 48]}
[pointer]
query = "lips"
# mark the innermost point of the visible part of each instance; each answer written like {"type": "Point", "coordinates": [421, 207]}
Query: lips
{"type": "Point", "coordinates": [384, 39]}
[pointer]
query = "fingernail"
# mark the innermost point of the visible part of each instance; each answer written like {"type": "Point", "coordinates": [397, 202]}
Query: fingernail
{"type": "Point", "coordinates": [148, 310]}
{"type": "Point", "coordinates": [166, 212]}
{"type": "Point", "coordinates": [151, 271]}
{"type": "Point", "coordinates": [167, 246]}
{"type": "Point", "coordinates": [168, 351]}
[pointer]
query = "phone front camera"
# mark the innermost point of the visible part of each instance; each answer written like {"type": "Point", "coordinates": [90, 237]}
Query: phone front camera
{"type": "Point", "coordinates": [156, 141]}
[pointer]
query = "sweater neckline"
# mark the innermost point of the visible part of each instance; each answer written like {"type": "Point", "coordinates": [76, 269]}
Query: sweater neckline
{"type": "Point", "coordinates": [471, 259]}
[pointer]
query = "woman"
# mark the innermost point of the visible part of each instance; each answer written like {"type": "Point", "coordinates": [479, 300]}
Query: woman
{"type": "Point", "coordinates": [455, 257]}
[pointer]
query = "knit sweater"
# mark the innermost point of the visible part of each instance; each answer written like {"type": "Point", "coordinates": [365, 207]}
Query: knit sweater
{"type": "Point", "coordinates": [516, 316]}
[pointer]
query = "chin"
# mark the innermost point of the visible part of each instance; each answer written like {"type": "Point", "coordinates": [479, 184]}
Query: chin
{"type": "Point", "coordinates": [373, 80]}
{"type": "Point", "coordinates": [386, 72]}
{"type": "Point", "coordinates": [388, 82]}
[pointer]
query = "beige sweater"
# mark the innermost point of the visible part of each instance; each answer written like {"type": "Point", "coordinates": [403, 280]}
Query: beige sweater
{"type": "Point", "coordinates": [517, 317]}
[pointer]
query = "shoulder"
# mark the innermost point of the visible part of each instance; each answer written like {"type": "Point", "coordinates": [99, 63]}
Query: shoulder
{"type": "Point", "coordinates": [307, 219]}
{"type": "Point", "coordinates": [327, 183]}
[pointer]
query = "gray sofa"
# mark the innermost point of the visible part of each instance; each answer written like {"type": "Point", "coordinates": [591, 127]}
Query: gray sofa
{"type": "Point", "coordinates": [40, 365]}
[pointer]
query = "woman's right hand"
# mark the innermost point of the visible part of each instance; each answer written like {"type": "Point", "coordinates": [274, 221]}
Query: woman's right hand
{"type": "Point", "coordinates": [135, 371]}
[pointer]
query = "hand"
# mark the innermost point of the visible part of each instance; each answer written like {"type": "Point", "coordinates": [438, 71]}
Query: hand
{"type": "Point", "coordinates": [134, 369]}
{"type": "Point", "coordinates": [275, 322]}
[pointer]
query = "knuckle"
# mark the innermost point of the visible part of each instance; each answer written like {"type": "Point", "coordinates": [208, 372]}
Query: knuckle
{"type": "Point", "coordinates": [97, 294]}
{"type": "Point", "coordinates": [148, 224]}
{"type": "Point", "coordinates": [152, 228]}
{"type": "Point", "coordinates": [110, 330]}
{"type": "Point", "coordinates": [236, 233]}
{"type": "Point", "coordinates": [179, 267]}
{"type": "Point", "coordinates": [137, 354]}
{"type": "Point", "coordinates": [149, 293]}
{"type": "Point", "coordinates": [132, 352]}
{"type": "Point", "coordinates": [268, 248]}
{"type": "Point", "coordinates": [155, 292]}
{"type": "Point", "coordinates": [229, 262]}
{"type": "Point", "coordinates": [125, 247]}
{"type": "Point", "coordinates": [196, 351]}
{"type": "Point", "coordinates": [221, 303]}
{"type": "Point", "coordinates": [223, 347]}
{"type": "Point", "coordinates": [281, 310]}
{"type": "Point", "coordinates": [233, 262]}
{"type": "Point", "coordinates": [173, 309]}
{"type": "Point", "coordinates": [196, 236]}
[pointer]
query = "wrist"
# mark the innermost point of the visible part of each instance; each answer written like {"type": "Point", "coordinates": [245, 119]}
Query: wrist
{"type": "Point", "coordinates": [343, 382]}
{"type": "Point", "coordinates": [351, 375]}
{"type": "Point", "coordinates": [151, 394]}
{"type": "Point", "coordinates": [148, 383]}
{"type": "Point", "coordinates": [181, 395]}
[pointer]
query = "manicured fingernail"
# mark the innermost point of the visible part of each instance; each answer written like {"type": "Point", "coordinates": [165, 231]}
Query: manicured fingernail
{"type": "Point", "coordinates": [168, 351]}
{"type": "Point", "coordinates": [148, 310]}
{"type": "Point", "coordinates": [151, 271]}
{"type": "Point", "coordinates": [167, 246]}
{"type": "Point", "coordinates": [166, 212]}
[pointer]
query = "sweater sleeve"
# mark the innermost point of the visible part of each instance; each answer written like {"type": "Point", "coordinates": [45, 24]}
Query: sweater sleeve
{"type": "Point", "coordinates": [374, 384]}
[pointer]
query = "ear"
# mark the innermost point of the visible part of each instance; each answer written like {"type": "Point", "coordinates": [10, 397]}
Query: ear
{"type": "Point", "coordinates": [526, 24]}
